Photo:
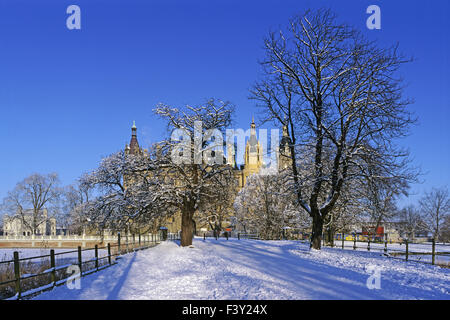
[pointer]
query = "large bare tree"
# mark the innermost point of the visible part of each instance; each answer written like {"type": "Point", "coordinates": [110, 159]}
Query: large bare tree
{"type": "Point", "coordinates": [341, 98]}
{"type": "Point", "coordinates": [191, 170]}
{"type": "Point", "coordinates": [31, 196]}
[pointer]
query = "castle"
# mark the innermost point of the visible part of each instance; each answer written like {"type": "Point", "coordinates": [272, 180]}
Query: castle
{"type": "Point", "coordinates": [253, 162]}
{"type": "Point", "coordinates": [28, 223]}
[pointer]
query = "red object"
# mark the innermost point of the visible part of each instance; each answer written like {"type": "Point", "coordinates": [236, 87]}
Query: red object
{"type": "Point", "coordinates": [380, 230]}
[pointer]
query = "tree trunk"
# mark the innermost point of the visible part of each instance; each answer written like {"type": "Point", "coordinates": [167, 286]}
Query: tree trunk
{"type": "Point", "coordinates": [187, 228]}
{"type": "Point", "coordinates": [317, 228]}
{"type": "Point", "coordinates": [330, 236]}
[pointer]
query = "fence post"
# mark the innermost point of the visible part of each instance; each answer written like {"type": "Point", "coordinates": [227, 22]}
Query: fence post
{"type": "Point", "coordinates": [109, 253]}
{"type": "Point", "coordinates": [406, 243]}
{"type": "Point", "coordinates": [239, 236]}
{"type": "Point", "coordinates": [139, 240]}
{"type": "Point", "coordinates": [52, 266]}
{"type": "Point", "coordinates": [368, 243]}
{"type": "Point", "coordinates": [118, 243]}
{"type": "Point", "coordinates": [226, 234]}
{"type": "Point", "coordinates": [385, 243]}
{"type": "Point", "coordinates": [354, 242]}
{"type": "Point", "coordinates": [17, 274]}
{"type": "Point", "coordinates": [204, 236]}
{"type": "Point", "coordinates": [343, 239]}
{"type": "Point", "coordinates": [96, 256]}
{"type": "Point", "coordinates": [80, 262]}
{"type": "Point", "coordinates": [433, 251]}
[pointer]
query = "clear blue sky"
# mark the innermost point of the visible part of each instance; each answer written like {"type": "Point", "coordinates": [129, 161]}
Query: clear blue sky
{"type": "Point", "coordinates": [68, 97]}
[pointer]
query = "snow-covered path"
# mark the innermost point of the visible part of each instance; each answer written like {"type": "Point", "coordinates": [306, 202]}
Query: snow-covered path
{"type": "Point", "coordinates": [252, 269]}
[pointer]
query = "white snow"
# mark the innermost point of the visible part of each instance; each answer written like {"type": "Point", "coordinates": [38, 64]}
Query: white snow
{"type": "Point", "coordinates": [254, 269]}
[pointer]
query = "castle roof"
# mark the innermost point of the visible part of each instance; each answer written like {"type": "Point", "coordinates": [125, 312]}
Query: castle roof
{"type": "Point", "coordinates": [134, 144]}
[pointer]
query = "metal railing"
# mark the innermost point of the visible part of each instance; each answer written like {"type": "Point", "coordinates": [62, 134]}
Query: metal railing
{"type": "Point", "coordinates": [56, 238]}
{"type": "Point", "coordinates": [24, 277]}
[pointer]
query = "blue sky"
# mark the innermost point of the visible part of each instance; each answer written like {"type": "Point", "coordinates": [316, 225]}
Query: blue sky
{"type": "Point", "coordinates": [69, 97]}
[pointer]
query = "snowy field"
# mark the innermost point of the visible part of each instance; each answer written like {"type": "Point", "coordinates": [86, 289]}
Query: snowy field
{"type": "Point", "coordinates": [252, 269]}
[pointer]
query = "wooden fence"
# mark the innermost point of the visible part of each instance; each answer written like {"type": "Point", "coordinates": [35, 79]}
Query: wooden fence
{"type": "Point", "coordinates": [394, 252]}
{"type": "Point", "coordinates": [25, 277]}
{"type": "Point", "coordinates": [368, 245]}
{"type": "Point", "coordinates": [227, 235]}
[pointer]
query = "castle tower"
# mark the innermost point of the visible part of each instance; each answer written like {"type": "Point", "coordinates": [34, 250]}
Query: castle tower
{"type": "Point", "coordinates": [284, 151]}
{"type": "Point", "coordinates": [253, 157]}
{"type": "Point", "coordinates": [253, 150]}
{"type": "Point", "coordinates": [133, 148]}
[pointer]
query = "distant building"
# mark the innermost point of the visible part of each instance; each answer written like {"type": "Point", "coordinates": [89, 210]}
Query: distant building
{"type": "Point", "coordinates": [21, 224]}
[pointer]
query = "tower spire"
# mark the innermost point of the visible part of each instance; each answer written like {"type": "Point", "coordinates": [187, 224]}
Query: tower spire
{"type": "Point", "coordinates": [134, 129]}
{"type": "Point", "coordinates": [134, 145]}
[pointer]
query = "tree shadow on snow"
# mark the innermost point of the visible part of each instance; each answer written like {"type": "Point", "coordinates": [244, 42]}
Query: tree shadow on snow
{"type": "Point", "coordinates": [312, 279]}
{"type": "Point", "coordinates": [114, 294]}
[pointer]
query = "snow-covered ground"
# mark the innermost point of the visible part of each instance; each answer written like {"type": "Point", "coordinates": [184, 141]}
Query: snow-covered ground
{"type": "Point", "coordinates": [253, 269]}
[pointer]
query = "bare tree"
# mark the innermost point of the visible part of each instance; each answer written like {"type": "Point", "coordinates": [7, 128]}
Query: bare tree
{"type": "Point", "coordinates": [125, 196]}
{"type": "Point", "coordinates": [380, 195]}
{"type": "Point", "coordinates": [342, 101]}
{"type": "Point", "coordinates": [188, 170]}
{"type": "Point", "coordinates": [73, 198]}
{"type": "Point", "coordinates": [266, 204]}
{"type": "Point", "coordinates": [410, 222]}
{"type": "Point", "coordinates": [435, 206]}
{"type": "Point", "coordinates": [445, 230]}
{"type": "Point", "coordinates": [31, 197]}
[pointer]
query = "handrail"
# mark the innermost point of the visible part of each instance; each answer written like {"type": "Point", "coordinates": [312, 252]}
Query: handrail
{"type": "Point", "coordinates": [147, 241]}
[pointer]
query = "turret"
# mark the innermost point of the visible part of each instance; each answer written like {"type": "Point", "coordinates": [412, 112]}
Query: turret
{"type": "Point", "coordinates": [284, 150]}
{"type": "Point", "coordinates": [134, 145]}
